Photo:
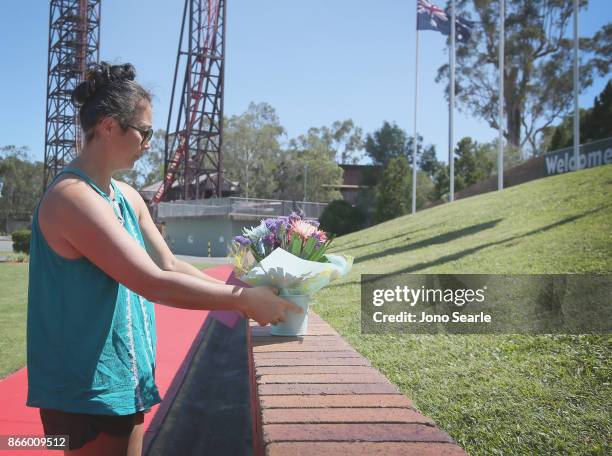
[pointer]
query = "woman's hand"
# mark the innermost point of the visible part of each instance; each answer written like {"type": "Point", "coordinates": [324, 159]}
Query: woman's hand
{"type": "Point", "coordinates": [263, 305]}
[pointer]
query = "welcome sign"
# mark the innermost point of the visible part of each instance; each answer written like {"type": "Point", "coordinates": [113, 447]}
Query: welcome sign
{"type": "Point", "coordinates": [596, 153]}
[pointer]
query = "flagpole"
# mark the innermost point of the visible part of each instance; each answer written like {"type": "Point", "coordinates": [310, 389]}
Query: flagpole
{"type": "Point", "coordinates": [414, 139]}
{"type": "Point", "coordinates": [451, 159]}
{"type": "Point", "coordinates": [502, 38]}
{"type": "Point", "coordinates": [576, 108]}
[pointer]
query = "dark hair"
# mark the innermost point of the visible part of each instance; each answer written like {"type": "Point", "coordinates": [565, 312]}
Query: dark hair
{"type": "Point", "coordinates": [108, 91]}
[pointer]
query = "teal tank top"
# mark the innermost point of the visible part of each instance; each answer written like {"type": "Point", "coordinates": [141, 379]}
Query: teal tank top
{"type": "Point", "coordinates": [90, 340]}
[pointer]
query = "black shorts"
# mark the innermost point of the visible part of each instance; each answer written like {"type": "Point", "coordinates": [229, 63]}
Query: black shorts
{"type": "Point", "coordinates": [82, 428]}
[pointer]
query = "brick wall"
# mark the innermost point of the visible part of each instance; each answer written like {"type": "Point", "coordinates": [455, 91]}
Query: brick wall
{"type": "Point", "coordinates": [316, 395]}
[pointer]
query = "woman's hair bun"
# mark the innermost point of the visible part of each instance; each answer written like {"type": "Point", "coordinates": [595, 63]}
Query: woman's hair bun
{"type": "Point", "coordinates": [100, 75]}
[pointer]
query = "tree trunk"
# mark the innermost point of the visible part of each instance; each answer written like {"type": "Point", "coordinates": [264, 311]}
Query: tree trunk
{"type": "Point", "coordinates": [512, 108]}
{"type": "Point", "coordinates": [513, 116]}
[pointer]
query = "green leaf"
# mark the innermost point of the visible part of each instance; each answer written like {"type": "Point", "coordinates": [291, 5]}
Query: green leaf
{"type": "Point", "coordinates": [296, 245]}
{"type": "Point", "coordinates": [309, 248]}
{"type": "Point", "coordinates": [318, 256]}
{"type": "Point", "coordinates": [256, 254]}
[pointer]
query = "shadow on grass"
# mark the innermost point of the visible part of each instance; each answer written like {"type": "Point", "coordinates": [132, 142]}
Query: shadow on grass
{"type": "Point", "coordinates": [472, 250]}
{"type": "Point", "coordinates": [439, 239]}
{"type": "Point", "coordinates": [343, 248]}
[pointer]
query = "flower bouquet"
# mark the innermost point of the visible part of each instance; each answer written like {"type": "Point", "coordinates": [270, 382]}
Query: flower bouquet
{"type": "Point", "coordinates": [288, 253]}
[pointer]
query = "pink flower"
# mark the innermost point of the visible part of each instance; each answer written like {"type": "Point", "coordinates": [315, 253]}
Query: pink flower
{"type": "Point", "coordinates": [321, 236]}
{"type": "Point", "coordinates": [302, 229]}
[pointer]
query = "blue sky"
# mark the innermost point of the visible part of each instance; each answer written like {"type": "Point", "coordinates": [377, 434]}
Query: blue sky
{"type": "Point", "coordinates": [314, 62]}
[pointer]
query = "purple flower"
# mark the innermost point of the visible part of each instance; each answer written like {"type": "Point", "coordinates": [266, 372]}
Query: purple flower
{"type": "Point", "coordinates": [294, 218]}
{"type": "Point", "coordinates": [274, 224]}
{"type": "Point", "coordinates": [314, 223]}
{"type": "Point", "coordinates": [242, 240]}
{"type": "Point", "coordinates": [269, 240]}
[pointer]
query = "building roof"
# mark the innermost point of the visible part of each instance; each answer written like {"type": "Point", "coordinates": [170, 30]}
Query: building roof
{"type": "Point", "coordinates": [228, 185]}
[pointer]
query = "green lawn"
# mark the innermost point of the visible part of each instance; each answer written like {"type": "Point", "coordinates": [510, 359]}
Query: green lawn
{"type": "Point", "coordinates": [495, 394]}
{"type": "Point", "coordinates": [13, 304]}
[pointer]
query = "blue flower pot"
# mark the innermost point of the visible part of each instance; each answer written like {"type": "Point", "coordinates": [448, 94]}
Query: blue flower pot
{"type": "Point", "coordinates": [296, 324]}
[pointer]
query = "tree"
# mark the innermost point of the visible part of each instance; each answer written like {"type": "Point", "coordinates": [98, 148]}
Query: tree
{"type": "Point", "coordinates": [343, 137]}
{"type": "Point", "coordinates": [595, 123]}
{"type": "Point", "coordinates": [538, 67]}
{"type": "Point", "coordinates": [562, 135]}
{"type": "Point", "coordinates": [311, 160]}
{"type": "Point", "coordinates": [340, 218]}
{"type": "Point", "coordinates": [393, 191]}
{"type": "Point", "coordinates": [512, 154]}
{"type": "Point", "coordinates": [251, 150]}
{"type": "Point", "coordinates": [389, 142]}
{"type": "Point", "coordinates": [429, 163]}
{"type": "Point", "coordinates": [386, 143]}
{"type": "Point", "coordinates": [21, 184]}
{"type": "Point", "coordinates": [442, 184]}
{"type": "Point", "coordinates": [472, 163]}
{"type": "Point", "coordinates": [599, 122]}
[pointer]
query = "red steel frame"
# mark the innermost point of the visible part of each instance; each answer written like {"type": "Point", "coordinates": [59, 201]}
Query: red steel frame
{"type": "Point", "coordinates": [193, 147]}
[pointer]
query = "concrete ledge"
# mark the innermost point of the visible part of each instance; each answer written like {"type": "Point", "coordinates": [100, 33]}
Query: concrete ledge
{"type": "Point", "coordinates": [315, 395]}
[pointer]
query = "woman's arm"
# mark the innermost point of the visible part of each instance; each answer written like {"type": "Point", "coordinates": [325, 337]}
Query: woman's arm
{"type": "Point", "coordinates": [186, 268]}
{"type": "Point", "coordinates": [89, 224]}
{"type": "Point", "coordinates": [156, 245]}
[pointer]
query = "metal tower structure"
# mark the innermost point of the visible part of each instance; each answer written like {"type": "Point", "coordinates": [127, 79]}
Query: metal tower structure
{"type": "Point", "coordinates": [74, 44]}
{"type": "Point", "coordinates": [192, 155]}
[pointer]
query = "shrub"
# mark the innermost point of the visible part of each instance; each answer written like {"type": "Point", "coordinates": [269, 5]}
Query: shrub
{"type": "Point", "coordinates": [340, 218]}
{"type": "Point", "coordinates": [19, 258]}
{"type": "Point", "coordinates": [21, 241]}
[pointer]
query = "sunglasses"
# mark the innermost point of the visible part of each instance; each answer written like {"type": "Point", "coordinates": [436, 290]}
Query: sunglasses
{"type": "Point", "coordinates": [146, 134]}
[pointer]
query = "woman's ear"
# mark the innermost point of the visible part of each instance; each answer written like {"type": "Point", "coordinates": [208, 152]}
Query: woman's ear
{"type": "Point", "coordinates": [106, 126]}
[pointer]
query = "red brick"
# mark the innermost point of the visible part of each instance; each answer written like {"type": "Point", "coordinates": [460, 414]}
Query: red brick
{"type": "Point", "coordinates": [323, 339]}
{"type": "Point", "coordinates": [327, 388]}
{"type": "Point", "coordinates": [353, 432]}
{"type": "Point", "coordinates": [284, 339]}
{"type": "Point", "coordinates": [367, 448]}
{"type": "Point", "coordinates": [312, 354]}
{"type": "Point", "coordinates": [275, 370]}
{"type": "Point", "coordinates": [308, 360]}
{"type": "Point", "coordinates": [321, 330]}
{"type": "Point", "coordinates": [314, 318]}
{"type": "Point", "coordinates": [344, 415]}
{"type": "Point", "coordinates": [313, 330]}
{"type": "Point", "coordinates": [336, 400]}
{"type": "Point", "coordinates": [335, 345]}
{"type": "Point", "coordinates": [372, 377]}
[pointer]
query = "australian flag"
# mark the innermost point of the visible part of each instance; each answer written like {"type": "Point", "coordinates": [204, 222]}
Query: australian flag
{"type": "Point", "coordinates": [432, 17]}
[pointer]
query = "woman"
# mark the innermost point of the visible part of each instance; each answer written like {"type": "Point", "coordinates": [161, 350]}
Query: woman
{"type": "Point", "coordinates": [91, 326]}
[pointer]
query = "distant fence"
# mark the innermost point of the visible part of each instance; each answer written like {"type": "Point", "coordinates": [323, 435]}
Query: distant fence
{"type": "Point", "coordinates": [251, 208]}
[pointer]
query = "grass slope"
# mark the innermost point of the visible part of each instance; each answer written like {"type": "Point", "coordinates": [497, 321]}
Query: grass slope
{"type": "Point", "coordinates": [495, 394]}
